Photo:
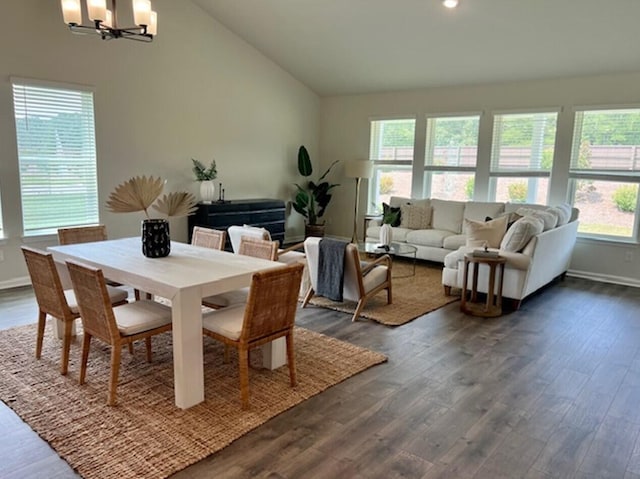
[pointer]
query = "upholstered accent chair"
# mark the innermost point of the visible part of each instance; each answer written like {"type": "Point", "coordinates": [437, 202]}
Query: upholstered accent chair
{"type": "Point", "coordinates": [361, 280]}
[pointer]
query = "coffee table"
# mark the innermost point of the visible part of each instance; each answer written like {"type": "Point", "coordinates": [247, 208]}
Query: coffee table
{"type": "Point", "coordinates": [394, 249]}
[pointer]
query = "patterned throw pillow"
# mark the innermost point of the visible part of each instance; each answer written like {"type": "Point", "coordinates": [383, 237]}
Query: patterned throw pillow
{"type": "Point", "coordinates": [415, 217]}
{"type": "Point", "coordinates": [390, 215]}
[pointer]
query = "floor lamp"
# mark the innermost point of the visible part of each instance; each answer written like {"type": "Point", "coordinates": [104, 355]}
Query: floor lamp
{"type": "Point", "coordinates": [357, 169]}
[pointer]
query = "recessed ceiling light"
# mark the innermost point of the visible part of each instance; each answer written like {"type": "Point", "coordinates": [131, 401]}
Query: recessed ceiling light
{"type": "Point", "coordinates": [450, 3]}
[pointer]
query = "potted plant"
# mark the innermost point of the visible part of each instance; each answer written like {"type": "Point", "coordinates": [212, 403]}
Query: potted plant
{"type": "Point", "coordinates": [312, 198]}
{"type": "Point", "coordinates": [140, 194]}
{"type": "Point", "coordinates": [205, 176]}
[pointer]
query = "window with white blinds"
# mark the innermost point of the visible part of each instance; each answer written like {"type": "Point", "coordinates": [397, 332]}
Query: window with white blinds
{"type": "Point", "coordinates": [57, 156]}
{"type": "Point", "coordinates": [605, 171]}
{"type": "Point", "coordinates": [451, 156]}
{"type": "Point", "coordinates": [391, 144]}
{"type": "Point", "coordinates": [522, 156]}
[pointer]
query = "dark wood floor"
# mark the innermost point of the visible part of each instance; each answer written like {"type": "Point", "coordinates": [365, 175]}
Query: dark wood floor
{"type": "Point", "coordinates": [552, 390]}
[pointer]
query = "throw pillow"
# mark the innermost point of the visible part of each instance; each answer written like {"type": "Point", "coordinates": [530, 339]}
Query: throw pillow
{"type": "Point", "coordinates": [390, 215]}
{"type": "Point", "coordinates": [488, 233]}
{"type": "Point", "coordinates": [565, 213]}
{"type": "Point", "coordinates": [549, 219]}
{"type": "Point", "coordinates": [415, 217]}
{"type": "Point", "coordinates": [521, 233]}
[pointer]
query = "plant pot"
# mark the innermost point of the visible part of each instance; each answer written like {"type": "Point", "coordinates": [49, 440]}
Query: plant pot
{"type": "Point", "coordinates": [156, 241]}
{"type": "Point", "coordinates": [313, 230]}
{"type": "Point", "coordinates": [207, 191]}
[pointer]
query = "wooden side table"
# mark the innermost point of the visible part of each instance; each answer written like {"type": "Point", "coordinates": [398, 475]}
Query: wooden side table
{"type": "Point", "coordinates": [493, 305]}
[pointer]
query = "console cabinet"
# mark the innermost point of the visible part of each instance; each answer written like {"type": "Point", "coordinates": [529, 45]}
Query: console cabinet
{"type": "Point", "coordinates": [263, 213]}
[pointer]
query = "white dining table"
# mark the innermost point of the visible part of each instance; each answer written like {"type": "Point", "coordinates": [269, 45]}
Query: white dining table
{"type": "Point", "coordinates": [187, 275]}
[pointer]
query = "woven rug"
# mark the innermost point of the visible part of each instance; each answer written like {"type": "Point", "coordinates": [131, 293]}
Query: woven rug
{"type": "Point", "coordinates": [413, 296]}
{"type": "Point", "coordinates": [146, 435]}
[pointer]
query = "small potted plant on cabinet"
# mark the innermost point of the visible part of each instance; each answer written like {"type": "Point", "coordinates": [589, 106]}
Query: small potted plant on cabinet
{"type": "Point", "coordinates": [312, 198]}
{"type": "Point", "coordinates": [206, 176]}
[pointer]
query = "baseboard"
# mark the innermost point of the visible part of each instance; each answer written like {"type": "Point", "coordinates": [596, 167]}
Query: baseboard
{"type": "Point", "coordinates": [15, 283]}
{"type": "Point", "coordinates": [605, 278]}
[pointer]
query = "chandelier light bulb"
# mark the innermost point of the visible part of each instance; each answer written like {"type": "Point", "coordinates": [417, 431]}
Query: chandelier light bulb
{"type": "Point", "coordinates": [71, 12]}
{"type": "Point", "coordinates": [450, 3]}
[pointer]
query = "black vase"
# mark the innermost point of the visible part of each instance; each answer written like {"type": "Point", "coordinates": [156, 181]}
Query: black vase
{"type": "Point", "coordinates": [156, 242]}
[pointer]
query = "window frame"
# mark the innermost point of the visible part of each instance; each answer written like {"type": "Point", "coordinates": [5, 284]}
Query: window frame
{"type": "Point", "coordinates": [623, 177]}
{"type": "Point", "coordinates": [496, 173]}
{"type": "Point", "coordinates": [88, 140]}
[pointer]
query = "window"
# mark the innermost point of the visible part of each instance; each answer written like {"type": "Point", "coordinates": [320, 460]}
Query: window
{"type": "Point", "coordinates": [391, 150]}
{"type": "Point", "coordinates": [605, 172]}
{"type": "Point", "coordinates": [451, 157]}
{"type": "Point", "coordinates": [56, 155]}
{"type": "Point", "coordinates": [522, 156]}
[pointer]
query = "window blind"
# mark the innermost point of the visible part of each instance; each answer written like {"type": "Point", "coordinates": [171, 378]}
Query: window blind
{"type": "Point", "coordinates": [523, 142]}
{"type": "Point", "coordinates": [57, 157]}
{"type": "Point", "coordinates": [392, 140]}
{"type": "Point", "coordinates": [606, 142]}
{"type": "Point", "coordinates": [452, 141]}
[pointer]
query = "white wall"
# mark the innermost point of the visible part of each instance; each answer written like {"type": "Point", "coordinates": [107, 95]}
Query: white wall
{"type": "Point", "coordinates": [344, 127]}
{"type": "Point", "coordinates": [197, 91]}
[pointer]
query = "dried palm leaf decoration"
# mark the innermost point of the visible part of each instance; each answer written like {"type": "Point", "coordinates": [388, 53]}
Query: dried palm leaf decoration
{"type": "Point", "coordinates": [139, 193]}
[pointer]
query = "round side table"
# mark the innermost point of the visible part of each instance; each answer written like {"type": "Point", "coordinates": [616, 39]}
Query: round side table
{"type": "Point", "coordinates": [493, 306]}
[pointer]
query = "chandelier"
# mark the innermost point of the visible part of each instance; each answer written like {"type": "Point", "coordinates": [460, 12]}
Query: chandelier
{"type": "Point", "coordinates": [105, 21]}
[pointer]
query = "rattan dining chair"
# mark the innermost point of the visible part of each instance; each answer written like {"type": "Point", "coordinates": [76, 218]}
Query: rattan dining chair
{"type": "Point", "coordinates": [268, 314]}
{"type": "Point", "coordinates": [287, 255]}
{"type": "Point", "coordinates": [249, 246]}
{"type": "Point", "coordinates": [208, 238]}
{"type": "Point", "coordinates": [115, 326]}
{"type": "Point", "coordinates": [53, 300]}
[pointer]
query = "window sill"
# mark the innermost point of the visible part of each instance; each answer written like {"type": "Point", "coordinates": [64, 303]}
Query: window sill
{"type": "Point", "coordinates": [40, 238]}
{"type": "Point", "coordinates": [621, 242]}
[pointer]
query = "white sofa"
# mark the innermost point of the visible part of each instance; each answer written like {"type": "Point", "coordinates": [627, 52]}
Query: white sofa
{"type": "Point", "coordinates": [544, 257]}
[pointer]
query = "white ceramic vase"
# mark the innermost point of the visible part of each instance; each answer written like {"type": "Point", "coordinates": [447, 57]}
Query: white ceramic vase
{"type": "Point", "coordinates": [207, 191]}
{"type": "Point", "coordinates": [386, 234]}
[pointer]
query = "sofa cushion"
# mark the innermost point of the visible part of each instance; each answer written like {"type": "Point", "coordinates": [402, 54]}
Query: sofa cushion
{"type": "Point", "coordinates": [549, 219]}
{"type": "Point", "coordinates": [514, 260]}
{"type": "Point", "coordinates": [447, 215]}
{"type": "Point", "coordinates": [397, 201]}
{"type": "Point", "coordinates": [565, 211]}
{"type": "Point", "coordinates": [415, 217]}
{"type": "Point", "coordinates": [520, 233]}
{"type": "Point", "coordinates": [489, 233]}
{"type": "Point", "coordinates": [399, 235]}
{"type": "Point", "coordinates": [433, 238]}
{"type": "Point", "coordinates": [391, 215]}
{"type": "Point", "coordinates": [478, 210]}
{"type": "Point", "coordinates": [454, 242]}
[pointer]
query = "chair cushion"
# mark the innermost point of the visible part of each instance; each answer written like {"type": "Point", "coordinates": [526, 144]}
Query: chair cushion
{"type": "Point", "coordinates": [117, 295]}
{"type": "Point", "coordinates": [229, 298]}
{"type": "Point", "coordinates": [226, 322]}
{"type": "Point", "coordinates": [139, 316]}
{"type": "Point", "coordinates": [373, 278]}
{"type": "Point", "coordinates": [291, 257]}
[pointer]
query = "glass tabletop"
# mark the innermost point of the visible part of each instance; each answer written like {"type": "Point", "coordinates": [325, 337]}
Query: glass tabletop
{"type": "Point", "coordinates": [393, 248]}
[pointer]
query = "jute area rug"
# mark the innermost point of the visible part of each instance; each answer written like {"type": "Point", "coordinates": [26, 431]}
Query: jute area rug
{"type": "Point", "coordinates": [146, 435]}
{"type": "Point", "coordinates": [413, 296]}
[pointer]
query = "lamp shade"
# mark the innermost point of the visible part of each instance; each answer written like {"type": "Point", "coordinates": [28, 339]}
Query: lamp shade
{"type": "Point", "coordinates": [358, 169]}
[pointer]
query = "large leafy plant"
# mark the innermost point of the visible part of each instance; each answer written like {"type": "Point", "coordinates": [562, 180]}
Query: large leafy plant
{"type": "Point", "coordinates": [312, 198]}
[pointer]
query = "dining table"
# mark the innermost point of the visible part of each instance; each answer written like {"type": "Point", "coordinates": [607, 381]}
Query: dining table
{"type": "Point", "coordinates": [188, 274]}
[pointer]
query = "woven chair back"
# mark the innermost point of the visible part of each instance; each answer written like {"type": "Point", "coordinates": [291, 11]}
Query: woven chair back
{"type": "Point", "coordinates": [46, 283]}
{"type": "Point", "coordinates": [272, 302]}
{"type": "Point", "coordinates": [237, 232]}
{"type": "Point", "coordinates": [82, 234]}
{"type": "Point", "coordinates": [258, 248]}
{"type": "Point", "coordinates": [208, 238]}
{"type": "Point", "coordinates": [93, 301]}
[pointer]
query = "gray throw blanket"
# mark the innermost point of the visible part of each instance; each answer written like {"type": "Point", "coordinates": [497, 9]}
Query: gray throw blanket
{"type": "Point", "coordinates": [331, 268]}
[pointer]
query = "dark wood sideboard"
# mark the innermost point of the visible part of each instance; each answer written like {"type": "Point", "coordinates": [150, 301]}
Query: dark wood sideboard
{"type": "Point", "coordinates": [263, 213]}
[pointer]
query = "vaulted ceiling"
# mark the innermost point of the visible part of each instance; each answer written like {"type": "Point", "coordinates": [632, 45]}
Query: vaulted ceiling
{"type": "Point", "coordinates": [361, 46]}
